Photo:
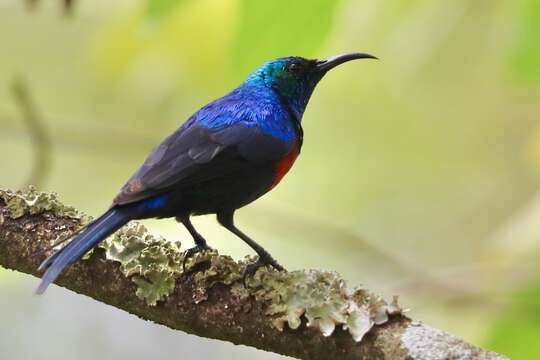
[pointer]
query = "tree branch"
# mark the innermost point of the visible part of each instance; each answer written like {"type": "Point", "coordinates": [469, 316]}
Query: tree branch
{"type": "Point", "coordinates": [209, 300]}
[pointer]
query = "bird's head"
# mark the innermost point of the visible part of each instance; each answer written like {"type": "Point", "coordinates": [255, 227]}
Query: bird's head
{"type": "Point", "coordinates": [294, 78]}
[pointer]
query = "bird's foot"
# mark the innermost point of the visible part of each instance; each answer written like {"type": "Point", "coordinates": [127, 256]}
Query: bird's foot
{"type": "Point", "coordinates": [251, 268]}
{"type": "Point", "coordinates": [192, 252]}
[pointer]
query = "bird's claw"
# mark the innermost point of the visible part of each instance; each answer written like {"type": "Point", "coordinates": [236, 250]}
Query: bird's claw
{"type": "Point", "coordinates": [251, 268]}
{"type": "Point", "coordinates": [192, 252]}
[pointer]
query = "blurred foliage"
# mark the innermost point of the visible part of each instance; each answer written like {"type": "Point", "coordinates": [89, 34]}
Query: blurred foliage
{"type": "Point", "coordinates": [516, 332]}
{"type": "Point", "coordinates": [193, 35]}
{"type": "Point", "coordinates": [161, 8]}
{"type": "Point", "coordinates": [526, 59]}
{"type": "Point", "coordinates": [265, 33]}
{"type": "Point", "coordinates": [233, 37]}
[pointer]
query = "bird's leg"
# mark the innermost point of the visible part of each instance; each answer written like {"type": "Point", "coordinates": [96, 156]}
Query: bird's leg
{"type": "Point", "coordinates": [226, 219]}
{"type": "Point", "coordinates": [200, 242]}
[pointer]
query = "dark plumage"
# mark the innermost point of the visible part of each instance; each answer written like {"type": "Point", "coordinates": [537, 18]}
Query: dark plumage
{"type": "Point", "coordinates": [228, 154]}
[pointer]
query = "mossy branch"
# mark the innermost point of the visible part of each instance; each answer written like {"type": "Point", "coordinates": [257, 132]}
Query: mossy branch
{"type": "Point", "coordinates": [305, 314]}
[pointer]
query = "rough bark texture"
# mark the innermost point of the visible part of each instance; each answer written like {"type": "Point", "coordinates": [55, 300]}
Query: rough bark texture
{"type": "Point", "coordinates": [222, 315]}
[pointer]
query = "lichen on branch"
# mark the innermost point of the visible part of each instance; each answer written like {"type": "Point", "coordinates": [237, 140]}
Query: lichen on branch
{"type": "Point", "coordinates": [31, 202]}
{"type": "Point", "coordinates": [322, 298]}
{"type": "Point", "coordinates": [309, 314]}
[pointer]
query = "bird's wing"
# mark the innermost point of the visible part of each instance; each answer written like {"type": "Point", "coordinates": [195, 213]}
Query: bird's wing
{"type": "Point", "coordinates": [194, 154]}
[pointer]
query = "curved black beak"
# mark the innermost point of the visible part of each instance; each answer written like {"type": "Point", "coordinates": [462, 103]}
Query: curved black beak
{"type": "Point", "coordinates": [325, 65]}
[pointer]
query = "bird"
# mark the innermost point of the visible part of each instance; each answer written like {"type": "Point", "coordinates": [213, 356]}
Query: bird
{"type": "Point", "coordinates": [226, 155]}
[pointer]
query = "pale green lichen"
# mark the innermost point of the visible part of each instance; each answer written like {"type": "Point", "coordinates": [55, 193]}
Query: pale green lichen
{"type": "Point", "coordinates": [152, 262]}
{"type": "Point", "coordinates": [31, 202]}
{"type": "Point", "coordinates": [217, 269]}
{"type": "Point", "coordinates": [325, 301]}
{"type": "Point", "coordinates": [154, 286]}
{"type": "Point", "coordinates": [322, 298]}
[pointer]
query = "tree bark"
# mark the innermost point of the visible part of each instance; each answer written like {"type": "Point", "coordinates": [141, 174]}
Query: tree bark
{"type": "Point", "coordinates": [220, 314]}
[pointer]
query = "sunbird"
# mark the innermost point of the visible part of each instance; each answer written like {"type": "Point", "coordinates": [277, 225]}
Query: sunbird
{"type": "Point", "coordinates": [228, 154]}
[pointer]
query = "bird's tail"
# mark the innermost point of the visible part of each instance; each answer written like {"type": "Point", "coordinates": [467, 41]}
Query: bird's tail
{"type": "Point", "coordinates": [96, 232]}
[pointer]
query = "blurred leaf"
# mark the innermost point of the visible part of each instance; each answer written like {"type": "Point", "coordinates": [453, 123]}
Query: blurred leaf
{"type": "Point", "coordinates": [157, 9]}
{"type": "Point", "coordinates": [252, 31]}
{"type": "Point", "coordinates": [278, 28]}
{"type": "Point", "coordinates": [118, 43]}
{"type": "Point", "coordinates": [526, 58]}
{"type": "Point", "coordinates": [190, 43]}
{"type": "Point", "coordinates": [517, 331]}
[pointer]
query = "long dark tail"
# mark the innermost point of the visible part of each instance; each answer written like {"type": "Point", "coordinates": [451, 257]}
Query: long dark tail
{"type": "Point", "coordinates": [96, 232]}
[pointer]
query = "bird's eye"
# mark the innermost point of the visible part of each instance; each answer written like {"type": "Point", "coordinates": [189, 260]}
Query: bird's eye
{"type": "Point", "coordinates": [293, 67]}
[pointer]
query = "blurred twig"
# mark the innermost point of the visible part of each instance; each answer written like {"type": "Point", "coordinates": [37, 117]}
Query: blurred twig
{"type": "Point", "coordinates": [41, 142]}
{"type": "Point", "coordinates": [67, 5]}
{"type": "Point", "coordinates": [348, 239]}
{"type": "Point", "coordinates": [31, 3]}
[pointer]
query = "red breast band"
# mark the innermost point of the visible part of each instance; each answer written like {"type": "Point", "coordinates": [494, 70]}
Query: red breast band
{"type": "Point", "coordinates": [284, 165]}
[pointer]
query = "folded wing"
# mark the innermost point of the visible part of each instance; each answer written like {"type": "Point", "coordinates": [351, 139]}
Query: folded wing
{"type": "Point", "coordinates": [195, 153]}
